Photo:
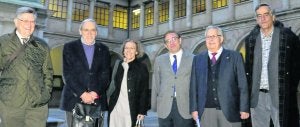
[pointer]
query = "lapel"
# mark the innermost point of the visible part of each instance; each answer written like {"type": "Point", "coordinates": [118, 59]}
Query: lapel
{"type": "Point", "coordinates": [257, 62]}
{"type": "Point", "coordinates": [81, 54]}
{"type": "Point", "coordinates": [204, 65]}
{"type": "Point", "coordinates": [96, 57]}
{"type": "Point", "coordinates": [182, 64]}
{"type": "Point", "coordinates": [167, 63]}
{"type": "Point", "coordinates": [223, 60]}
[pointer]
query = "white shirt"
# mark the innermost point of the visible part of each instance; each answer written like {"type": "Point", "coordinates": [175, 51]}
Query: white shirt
{"type": "Point", "coordinates": [178, 57]}
{"type": "Point", "coordinates": [266, 45]}
{"type": "Point", "coordinates": [217, 55]}
{"type": "Point", "coordinates": [20, 37]}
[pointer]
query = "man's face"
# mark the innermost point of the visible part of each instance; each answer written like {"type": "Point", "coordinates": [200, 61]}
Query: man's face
{"type": "Point", "coordinates": [88, 32]}
{"type": "Point", "coordinates": [25, 24]}
{"type": "Point", "coordinates": [172, 43]}
{"type": "Point", "coordinates": [264, 18]}
{"type": "Point", "coordinates": [213, 40]}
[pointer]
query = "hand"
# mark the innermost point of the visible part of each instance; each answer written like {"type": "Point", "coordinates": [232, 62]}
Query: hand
{"type": "Point", "coordinates": [87, 98]}
{"type": "Point", "coordinates": [244, 115]}
{"type": "Point", "coordinates": [140, 117]}
{"type": "Point", "coordinates": [94, 95]}
{"type": "Point", "coordinates": [195, 115]}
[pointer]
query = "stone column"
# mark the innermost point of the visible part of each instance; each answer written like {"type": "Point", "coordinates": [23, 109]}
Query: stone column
{"type": "Point", "coordinates": [285, 4]}
{"type": "Point", "coordinates": [110, 21]}
{"type": "Point", "coordinates": [171, 15]}
{"type": "Point", "coordinates": [231, 10]}
{"type": "Point", "coordinates": [208, 4]}
{"type": "Point", "coordinates": [142, 18]}
{"type": "Point", "coordinates": [92, 7]}
{"type": "Point", "coordinates": [156, 17]}
{"type": "Point", "coordinates": [189, 12]}
{"type": "Point", "coordinates": [69, 16]}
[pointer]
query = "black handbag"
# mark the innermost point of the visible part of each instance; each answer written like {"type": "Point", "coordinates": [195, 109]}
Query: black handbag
{"type": "Point", "coordinates": [87, 115]}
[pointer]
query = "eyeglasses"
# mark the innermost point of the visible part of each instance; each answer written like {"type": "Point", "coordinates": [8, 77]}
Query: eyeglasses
{"type": "Point", "coordinates": [171, 40]}
{"type": "Point", "coordinates": [212, 37]}
{"type": "Point", "coordinates": [88, 30]}
{"type": "Point", "coordinates": [259, 16]}
{"type": "Point", "coordinates": [26, 21]}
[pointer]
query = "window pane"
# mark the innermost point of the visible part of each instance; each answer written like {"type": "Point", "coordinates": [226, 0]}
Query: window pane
{"type": "Point", "coordinates": [58, 8]}
{"type": "Point", "coordinates": [101, 13]}
{"type": "Point", "coordinates": [135, 17]}
{"type": "Point", "coordinates": [120, 17]}
{"type": "Point", "coordinates": [179, 6]}
{"type": "Point", "coordinates": [219, 3]}
{"type": "Point", "coordinates": [80, 10]}
{"type": "Point", "coordinates": [163, 11]}
{"type": "Point", "coordinates": [149, 14]}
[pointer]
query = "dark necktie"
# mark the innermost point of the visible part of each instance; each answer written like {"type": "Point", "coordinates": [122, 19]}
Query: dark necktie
{"type": "Point", "coordinates": [213, 59]}
{"type": "Point", "coordinates": [24, 40]}
{"type": "Point", "coordinates": [174, 65]}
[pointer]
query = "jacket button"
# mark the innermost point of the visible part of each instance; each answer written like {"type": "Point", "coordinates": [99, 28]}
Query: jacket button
{"type": "Point", "coordinates": [129, 90]}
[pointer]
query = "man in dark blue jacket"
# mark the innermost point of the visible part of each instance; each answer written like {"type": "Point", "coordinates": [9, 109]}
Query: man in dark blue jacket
{"type": "Point", "coordinates": [86, 64]}
{"type": "Point", "coordinates": [219, 90]}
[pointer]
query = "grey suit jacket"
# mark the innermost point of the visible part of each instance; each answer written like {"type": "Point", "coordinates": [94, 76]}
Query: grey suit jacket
{"type": "Point", "coordinates": [272, 70]}
{"type": "Point", "coordinates": [162, 85]}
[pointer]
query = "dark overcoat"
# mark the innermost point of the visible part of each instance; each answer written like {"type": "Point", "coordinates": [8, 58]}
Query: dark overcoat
{"type": "Point", "coordinates": [288, 73]}
{"type": "Point", "coordinates": [137, 88]}
{"type": "Point", "coordinates": [79, 78]}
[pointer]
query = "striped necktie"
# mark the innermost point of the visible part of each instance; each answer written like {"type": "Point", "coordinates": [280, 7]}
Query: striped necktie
{"type": "Point", "coordinates": [174, 66]}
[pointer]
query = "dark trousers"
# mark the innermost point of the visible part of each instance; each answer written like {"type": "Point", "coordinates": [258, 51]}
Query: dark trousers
{"type": "Point", "coordinates": [174, 119]}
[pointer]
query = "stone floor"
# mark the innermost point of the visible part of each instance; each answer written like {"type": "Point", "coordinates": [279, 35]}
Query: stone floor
{"type": "Point", "coordinates": [57, 119]}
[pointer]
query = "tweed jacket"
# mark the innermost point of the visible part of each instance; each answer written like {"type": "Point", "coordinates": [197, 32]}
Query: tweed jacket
{"type": "Point", "coordinates": [27, 81]}
{"type": "Point", "coordinates": [232, 85]}
{"type": "Point", "coordinates": [79, 78]}
{"type": "Point", "coordinates": [288, 73]}
{"type": "Point", "coordinates": [162, 81]}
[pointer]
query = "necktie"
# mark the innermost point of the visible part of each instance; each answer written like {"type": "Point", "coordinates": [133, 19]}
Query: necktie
{"type": "Point", "coordinates": [174, 66]}
{"type": "Point", "coordinates": [24, 40]}
{"type": "Point", "coordinates": [213, 59]}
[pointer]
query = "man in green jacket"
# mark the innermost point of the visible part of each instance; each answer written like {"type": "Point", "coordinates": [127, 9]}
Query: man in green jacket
{"type": "Point", "coordinates": [26, 74]}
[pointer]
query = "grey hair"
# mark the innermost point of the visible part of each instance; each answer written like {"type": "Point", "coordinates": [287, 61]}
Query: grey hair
{"type": "Point", "coordinates": [23, 10]}
{"type": "Point", "coordinates": [272, 12]}
{"type": "Point", "coordinates": [139, 47]}
{"type": "Point", "coordinates": [220, 31]}
{"type": "Point", "coordinates": [87, 20]}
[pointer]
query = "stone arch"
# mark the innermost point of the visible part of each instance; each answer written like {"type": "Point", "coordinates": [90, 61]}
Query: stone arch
{"type": "Point", "coordinates": [240, 45]}
{"type": "Point", "coordinates": [198, 47]}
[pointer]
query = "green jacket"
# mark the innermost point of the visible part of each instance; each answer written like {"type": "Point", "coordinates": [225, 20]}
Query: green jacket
{"type": "Point", "coordinates": [27, 81]}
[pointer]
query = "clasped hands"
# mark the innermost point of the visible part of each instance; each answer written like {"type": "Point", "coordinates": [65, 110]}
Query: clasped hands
{"type": "Point", "coordinates": [89, 97]}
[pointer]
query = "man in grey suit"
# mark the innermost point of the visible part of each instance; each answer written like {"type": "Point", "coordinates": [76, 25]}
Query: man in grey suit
{"type": "Point", "coordinates": [170, 88]}
{"type": "Point", "coordinates": [219, 90]}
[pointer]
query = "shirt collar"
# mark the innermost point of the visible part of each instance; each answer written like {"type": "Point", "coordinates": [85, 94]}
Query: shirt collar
{"type": "Point", "coordinates": [218, 53]}
{"type": "Point", "coordinates": [20, 36]}
{"type": "Point", "coordinates": [177, 53]}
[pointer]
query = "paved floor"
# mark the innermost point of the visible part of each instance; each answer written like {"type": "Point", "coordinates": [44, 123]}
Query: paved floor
{"type": "Point", "coordinates": [57, 119]}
